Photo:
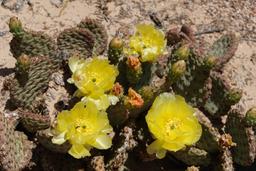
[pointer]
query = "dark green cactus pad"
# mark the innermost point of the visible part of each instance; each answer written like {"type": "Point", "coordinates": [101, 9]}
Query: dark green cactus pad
{"type": "Point", "coordinates": [100, 34]}
{"type": "Point", "coordinates": [32, 44]}
{"type": "Point", "coordinates": [15, 149]}
{"type": "Point", "coordinates": [27, 94]}
{"type": "Point", "coordinates": [224, 49]}
{"type": "Point", "coordinates": [39, 73]}
{"type": "Point", "coordinates": [209, 140]}
{"type": "Point", "coordinates": [34, 121]}
{"type": "Point", "coordinates": [45, 139]}
{"type": "Point", "coordinates": [244, 151]}
{"type": "Point", "coordinates": [222, 95]}
{"type": "Point", "coordinates": [76, 41]}
{"type": "Point", "coordinates": [192, 84]}
{"type": "Point", "coordinates": [193, 156]}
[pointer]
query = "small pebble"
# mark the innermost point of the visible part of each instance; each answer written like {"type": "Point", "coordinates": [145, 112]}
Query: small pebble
{"type": "Point", "coordinates": [13, 4]}
{"type": "Point", "coordinates": [57, 3]}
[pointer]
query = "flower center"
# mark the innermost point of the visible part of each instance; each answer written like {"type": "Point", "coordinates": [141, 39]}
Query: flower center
{"type": "Point", "coordinates": [171, 125]}
{"type": "Point", "coordinates": [82, 127]}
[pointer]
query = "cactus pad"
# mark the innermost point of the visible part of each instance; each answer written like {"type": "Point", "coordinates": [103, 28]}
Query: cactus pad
{"type": "Point", "coordinates": [100, 34]}
{"type": "Point", "coordinates": [244, 151]}
{"type": "Point", "coordinates": [76, 41]}
{"type": "Point", "coordinates": [32, 44]}
{"type": "Point", "coordinates": [193, 156]}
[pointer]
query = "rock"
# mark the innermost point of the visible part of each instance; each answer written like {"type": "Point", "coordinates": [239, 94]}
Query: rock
{"type": "Point", "coordinates": [57, 3]}
{"type": "Point", "coordinates": [13, 4]}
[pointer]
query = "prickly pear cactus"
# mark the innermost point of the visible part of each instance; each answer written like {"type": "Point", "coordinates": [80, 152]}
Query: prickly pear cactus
{"type": "Point", "coordinates": [99, 32]}
{"type": "Point", "coordinates": [193, 156]}
{"type": "Point", "coordinates": [24, 92]}
{"type": "Point", "coordinates": [209, 140]}
{"type": "Point", "coordinates": [15, 148]}
{"type": "Point", "coordinates": [194, 84]}
{"type": "Point", "coordinates": [76, 41]}
{"type": "Point", "coordinates": [182, 68]}
{"type": "Point", "coordinates": [243, 136]}
{"type": "Point", "coordinates": [223, 49]}
{"type": "Point", "coordinates": [222, 96]}
{"type": "Point", "coordinates": [29, 42]}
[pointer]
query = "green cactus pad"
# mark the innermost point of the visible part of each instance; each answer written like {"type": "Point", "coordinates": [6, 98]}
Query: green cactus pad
{"type": "Point", "coordinates": [244, 151]}
{"type": "Point", "coordinates": [192, 83]}
{"type": "Point", "coordinates": [39, 73]}
{"type": "Point", "coordinates": [100, 34]}
{"type": "Point", "coordinates": [193, 156]}
{"type": "Point", "coordinates": [15, 149]}
{"type": "Point", "coordinates": [76, 41]}
{"type": "Point", "coordinates": [224, 49]}
{"type": "Point", "coordinates": [34, 122]}
{"type": "Point", "coordinates": [223, 96]}
{"type": "Point", "coordinates": [209, 140]}
{"type": "Point", "coordinates": [32, 44]}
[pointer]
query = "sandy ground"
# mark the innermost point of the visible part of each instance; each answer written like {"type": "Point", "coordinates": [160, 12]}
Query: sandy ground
{"type": "Point", "coordinates": [53, 16]}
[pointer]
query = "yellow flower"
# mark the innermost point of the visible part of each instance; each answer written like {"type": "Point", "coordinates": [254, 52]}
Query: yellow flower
{"type": "Point", "coordinates": [93, 77]}
{"type": "Point", "coordinates": [85, 127]}
{"type": "Point", "coordinates": [148, 42]}
{"type": "Point", "coordinates": [173, 124]}
{"type": "Point", "coordinates": [103, 102]}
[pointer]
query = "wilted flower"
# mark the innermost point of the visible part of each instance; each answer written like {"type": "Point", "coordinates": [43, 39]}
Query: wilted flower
{"type": "Point", "coordinates": [148, 43]}
{"type": "Point", "coordinates": [173, 124]}
{"type": "Point", "coordinates": [85, 127]}
{"type": "Point", "coordinates": [93, 77]}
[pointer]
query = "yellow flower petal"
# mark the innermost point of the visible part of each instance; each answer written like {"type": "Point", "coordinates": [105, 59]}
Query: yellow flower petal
{"type": "Point", "coordinates": [63, 119]}
{"type": "Point", "coordinates": [78, 151]}
{"type": "Point", "coordinates": [173, 146]}
{"type": "Point", "coordinates": [102, 103]}
{"type": "Point", "coordinates": [103, 142]}
{"type": "Point", "coordinates": [75, 63]}
{"type": "Point", "coordinates": [60, 139]}
{"type": "Point", "coordinates": [148, 42]}
{"type": "Point", "coordinates": [156, 147]}
{"type": "Point", "coordinates": [83, 126]}
{"type": "Point", "coordinates": [93, 77]}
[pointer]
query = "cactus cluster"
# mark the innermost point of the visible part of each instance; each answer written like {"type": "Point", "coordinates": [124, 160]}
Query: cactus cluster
{"type": "Point", "coordinates": [183, 68]}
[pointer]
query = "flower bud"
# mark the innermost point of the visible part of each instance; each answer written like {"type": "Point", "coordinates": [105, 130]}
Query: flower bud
{"type": "Point", "coordinates": [15, 25]}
